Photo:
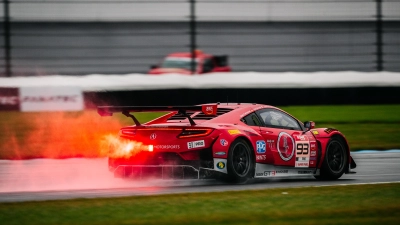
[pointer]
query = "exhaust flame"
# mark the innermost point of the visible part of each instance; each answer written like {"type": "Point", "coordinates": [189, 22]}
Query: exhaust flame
{"type": "Point", "coordinates": [122, 148]}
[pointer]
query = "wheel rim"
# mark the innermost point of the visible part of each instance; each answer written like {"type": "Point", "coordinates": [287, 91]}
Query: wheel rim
{"type": "Point", "coordinates": [336, 156]}
{"type": "Point", "coordinates": [241, 159]}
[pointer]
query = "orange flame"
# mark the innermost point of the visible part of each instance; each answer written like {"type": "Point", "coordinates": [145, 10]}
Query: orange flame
{"type": "Point", "coordinates": [55, 134]}
{"type": "Point", "coordinates": [122, 148]}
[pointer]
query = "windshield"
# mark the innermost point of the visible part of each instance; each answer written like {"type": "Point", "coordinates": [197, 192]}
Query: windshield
{"type": "Point", "coordinates": [181, 63]}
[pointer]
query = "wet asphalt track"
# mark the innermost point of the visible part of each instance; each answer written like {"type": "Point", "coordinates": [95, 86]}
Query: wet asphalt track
{"type": "Point", "coordinates": [44, 179]}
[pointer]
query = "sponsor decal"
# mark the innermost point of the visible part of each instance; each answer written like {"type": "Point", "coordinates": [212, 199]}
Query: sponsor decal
{"type": "Point", "coordinates": [285, 146]}
{"type": "Point", "coordinates": [153, 136]}
{"type": "Point", "coordinates": [270, 144]}
{"type": "Point", "coordinates": [261, 157]}
{"type": "Point", "coordinates": [312, 146]}
{"type": "Point", "coordinates": [220, 165]}
{"type": "Point", "coordinates": [315, 132]}
{"type": "Point", "coordinates": [166, 146]}
{"type": "Point", "coordinates": [51, 99]}
{"type": "Point", "coordinates": [302, 154]}
{"type": "Point", "coordinates": [302, 164]}
{"type": "Point", "coordinates": [220, 153]}
{"type": "Point", "coordinates": [261, 148]}
{"type": "Point", "coordinates": [275, 172]}
{"type": "Point", "coordinates": [9, 99]}
{"type": "Point", "coordinates": [269, 173]}
{"type": "Point", "coordinates": [329, 130]}
{"type": "Point", "coordinates": [233, 132]}
{"type": "Point", "coordinates": [272, 173]}
{"type": "Point", "coordinates": [313, 158]}
{"type": "Point", "coordinates": [301, 137]}
{"type": "Point", "coordinates": [223, 142]}
{"type": "Point", "coordinates": [313, 153]}
{"type": "Point", "coordinates": [196, 144]}
{"type": "Point", "coordinates": [209, 109]}
{"type": "Point", "coordinates": [311, 162]}
{"type": "Point", "coordinates": [305, 172]}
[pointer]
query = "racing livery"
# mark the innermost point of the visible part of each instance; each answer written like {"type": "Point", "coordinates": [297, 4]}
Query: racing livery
{"type": "Point", "coordinates": [230, 141]}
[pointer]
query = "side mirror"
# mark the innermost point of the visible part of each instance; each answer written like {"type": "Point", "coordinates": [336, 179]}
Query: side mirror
{"type": "Point", "coordinates": [153, 67]}
{"type": "Point", "coordinates": [309, 125]}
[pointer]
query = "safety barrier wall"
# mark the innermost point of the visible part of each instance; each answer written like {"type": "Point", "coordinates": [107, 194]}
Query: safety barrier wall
{"type": "Point", "coordinates": [63, 93]}
{"type": "Point", "coordinates": [35, 99]}
{"type": "Point", "coordinates": [11, 101]}
{"type": "Point", "coordinates": [270, 96]}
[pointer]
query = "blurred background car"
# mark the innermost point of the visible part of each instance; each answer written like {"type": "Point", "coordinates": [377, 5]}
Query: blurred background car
{"type": "Point", "coordinates": [181, 62]}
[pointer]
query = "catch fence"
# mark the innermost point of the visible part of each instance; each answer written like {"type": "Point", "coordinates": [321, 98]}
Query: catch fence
{"type": "Point", "coordinates": [77, 37]}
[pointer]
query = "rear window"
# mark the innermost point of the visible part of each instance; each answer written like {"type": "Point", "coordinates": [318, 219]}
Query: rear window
{"type": "Point", "coordinates": [251, 120]}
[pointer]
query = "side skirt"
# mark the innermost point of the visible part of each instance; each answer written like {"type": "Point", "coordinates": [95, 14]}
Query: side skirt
{"type": "Point", "coordinates": [267, 170]}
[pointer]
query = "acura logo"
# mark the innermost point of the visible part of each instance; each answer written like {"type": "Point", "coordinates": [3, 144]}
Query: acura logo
{"type": "Point", "coordinates": [153, 136]}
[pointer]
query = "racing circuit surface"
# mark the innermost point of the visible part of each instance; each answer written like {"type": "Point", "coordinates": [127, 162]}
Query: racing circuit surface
{"type": "Point", "coordinates": [47, 179]}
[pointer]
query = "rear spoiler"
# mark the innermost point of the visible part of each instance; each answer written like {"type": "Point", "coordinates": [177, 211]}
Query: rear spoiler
{"type": "Point", "coordinates": [109, 110]}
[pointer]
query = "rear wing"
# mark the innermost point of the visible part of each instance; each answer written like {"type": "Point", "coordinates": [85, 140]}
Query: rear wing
{"type": "Point", "coordinates": [109, 110]}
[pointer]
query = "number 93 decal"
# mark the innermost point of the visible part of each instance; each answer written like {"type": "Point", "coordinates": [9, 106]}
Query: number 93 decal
{"type": "Point", "coordinates": [302, 154]}
{"type": "Point", "coordinates": [302, 148]}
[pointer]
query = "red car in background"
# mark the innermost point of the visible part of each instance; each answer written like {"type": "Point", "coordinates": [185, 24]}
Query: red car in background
{"type": "Point", "coordinates": [230, 141]}
{"type": "Point", "coordinates": [180, 63]}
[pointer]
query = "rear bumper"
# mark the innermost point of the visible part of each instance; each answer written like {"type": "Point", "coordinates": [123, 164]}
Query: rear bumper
{"type": "Point", "coordinates": [196, 159]}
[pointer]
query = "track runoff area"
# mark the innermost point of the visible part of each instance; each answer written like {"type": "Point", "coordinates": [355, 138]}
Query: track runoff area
{"type": "Point", "coordinates": [46, 179]}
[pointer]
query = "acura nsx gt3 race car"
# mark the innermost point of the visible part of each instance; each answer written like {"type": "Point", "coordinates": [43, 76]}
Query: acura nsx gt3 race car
{"type": "Point", "coordinates": [229, 141]}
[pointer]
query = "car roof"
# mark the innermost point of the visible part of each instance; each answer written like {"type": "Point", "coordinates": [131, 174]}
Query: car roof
{"type": "Point", "coordinates": [188, 55]}
{"type": "Point", "coordinates": [226, 113]}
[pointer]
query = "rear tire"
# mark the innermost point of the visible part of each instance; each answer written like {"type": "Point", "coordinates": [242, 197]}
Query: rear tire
{"type": "Point", "coordinates": [240, 162]}
{"type": "Point", "coordinates": [335, 160]}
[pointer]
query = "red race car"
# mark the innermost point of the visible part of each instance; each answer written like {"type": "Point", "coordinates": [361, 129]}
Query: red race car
{"type": "Point", "coordinates": [230, 141]}
{"type": "Point", "coordinates": [180, 62]}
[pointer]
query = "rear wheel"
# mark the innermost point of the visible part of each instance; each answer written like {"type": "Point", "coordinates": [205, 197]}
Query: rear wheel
{"type": "Point", "coordinates": [240, 162]}
{"type": "Point", "coordinates": [335, 160]}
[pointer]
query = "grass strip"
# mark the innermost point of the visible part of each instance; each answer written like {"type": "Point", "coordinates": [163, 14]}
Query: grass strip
{"type": "Point", "coordinates": [356, 204]}
{"type": "Point", "coordinates": [342, 114]}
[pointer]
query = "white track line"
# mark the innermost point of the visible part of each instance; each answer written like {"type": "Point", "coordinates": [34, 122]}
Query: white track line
{"type": "Point", "coordinates": [374, 175]}
{"type": "Point", "coordinates": [331, 185]}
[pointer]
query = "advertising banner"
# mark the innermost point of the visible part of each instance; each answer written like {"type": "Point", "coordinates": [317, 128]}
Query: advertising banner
{"type": "Point", "coordinates": [9, 99]}
{"type": "Point", "coordinates": [33, 99]}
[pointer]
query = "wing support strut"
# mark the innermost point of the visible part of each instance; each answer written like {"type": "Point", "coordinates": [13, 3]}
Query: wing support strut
{"type": "Point", "coordinates": [183, 113]}
{"type": "Point", "coordinates": [127, 114]}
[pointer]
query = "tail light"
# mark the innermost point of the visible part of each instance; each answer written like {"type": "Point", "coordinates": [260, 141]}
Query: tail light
{"type": "Point", "coordinates": [195, 132]}
{"type": "Point", "coordinates": [127, 132]}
